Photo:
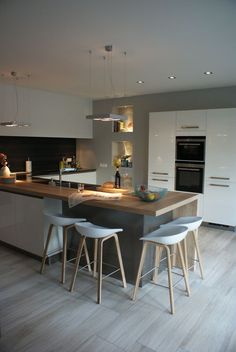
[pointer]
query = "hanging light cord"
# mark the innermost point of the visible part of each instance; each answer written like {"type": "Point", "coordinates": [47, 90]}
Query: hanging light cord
{"type": "Point", "coordinates": [125, 82]}
{"type": "Point", "coordinates": [90, 80]}
{"type": "Point", "coordinates": [17, 102]}
{"type": "Point", "coordinates": [110, 73]}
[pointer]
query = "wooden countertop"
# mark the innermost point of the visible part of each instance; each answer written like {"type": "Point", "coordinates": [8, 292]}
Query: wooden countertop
{"type": "Point", "coordinates": [128, 203]}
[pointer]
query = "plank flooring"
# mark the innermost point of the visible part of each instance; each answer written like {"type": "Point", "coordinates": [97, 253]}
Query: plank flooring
{"type": "Point", "coordinates": [39, 314]}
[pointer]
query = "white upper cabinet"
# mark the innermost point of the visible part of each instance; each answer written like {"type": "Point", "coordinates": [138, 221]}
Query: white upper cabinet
{"type": "Point", "coordinates": [161, 163]}
{"type": "Point", "coordinates": [221, 145]}
{"type": "Point", "coordinates": [49, 114]}
{"type": "Point", "coordinates": [191, 122]}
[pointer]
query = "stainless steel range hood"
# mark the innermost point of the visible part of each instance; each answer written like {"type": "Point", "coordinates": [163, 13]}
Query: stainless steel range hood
{"type": "Point", "coordinates": [107, 117]}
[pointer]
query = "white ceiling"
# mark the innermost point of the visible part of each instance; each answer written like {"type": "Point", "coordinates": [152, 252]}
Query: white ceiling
{"type": "Point", "coordinates": [51, 39]}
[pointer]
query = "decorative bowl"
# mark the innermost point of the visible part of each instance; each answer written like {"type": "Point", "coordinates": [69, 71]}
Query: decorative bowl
{"type": "Point", "coordinates": [7, 179]}
{"type": "Point", "coordinates": [150, 194]}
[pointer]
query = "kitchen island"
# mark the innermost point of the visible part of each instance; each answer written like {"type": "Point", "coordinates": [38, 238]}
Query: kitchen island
{"type": "Point", "coordinates": [136, 217]}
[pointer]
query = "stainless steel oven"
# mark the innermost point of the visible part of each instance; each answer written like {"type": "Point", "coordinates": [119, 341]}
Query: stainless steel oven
{"type": "Point", "coordinates": [190, 149]}
{"type": "Point", "coordinates": [189, 177]}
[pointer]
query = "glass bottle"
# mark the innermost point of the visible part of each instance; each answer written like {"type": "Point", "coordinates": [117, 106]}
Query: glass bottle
{"type": "Point", "coordinates": [117, 178]}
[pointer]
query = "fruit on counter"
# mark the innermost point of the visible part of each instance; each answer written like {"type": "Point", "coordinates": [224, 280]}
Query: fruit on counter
{"type": "Point", "coordinates": [150, 196]}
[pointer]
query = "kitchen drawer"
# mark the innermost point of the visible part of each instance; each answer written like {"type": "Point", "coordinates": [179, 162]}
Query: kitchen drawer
{"type": "Point", "coordinates": [161, 181]}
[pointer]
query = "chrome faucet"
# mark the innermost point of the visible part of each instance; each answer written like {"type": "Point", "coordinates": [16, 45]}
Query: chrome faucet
{"type": "Point", "coordinates": [60, 176]}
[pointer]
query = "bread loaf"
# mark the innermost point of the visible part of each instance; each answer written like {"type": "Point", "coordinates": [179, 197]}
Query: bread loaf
{"type": "Point", "coordinates": [108, 184]}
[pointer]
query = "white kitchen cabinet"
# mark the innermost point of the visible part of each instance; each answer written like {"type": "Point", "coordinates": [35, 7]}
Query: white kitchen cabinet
{"type": "Point", "coordinates": [23, 224]}
{"type": "Point", "coordinates": [221, 145]}
{"type": "Point", "coordinates": [220, 168]}
{"type": "Point", "coordinates": [7, 223]}
{"type": "Point", "coordinates": [191, 122]}
{"type": "Point", "coordinates": [220, 202]}
{"type": "Point", "coordinates": [49, 114]}
{"type": "Point", "coordinates": [161, 181]}
{"type": "Point", "coordinates": [161, 159]}
{"type": "Point", "coordinates": [89, 177]}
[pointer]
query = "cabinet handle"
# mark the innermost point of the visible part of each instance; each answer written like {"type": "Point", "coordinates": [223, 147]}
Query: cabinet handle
{"type": "Point", "coordinates": [188, 169]}
{"type": "Point", "coordinates": [159, 179]}
{"type": "Point", "coordinates": [159, 173]}
{"type": "Point", "coordinates": [217, 185]}
{"type": "Point", "coordinates": [189, 126]}
{"type": "Point", "coordinates": [219, 178]}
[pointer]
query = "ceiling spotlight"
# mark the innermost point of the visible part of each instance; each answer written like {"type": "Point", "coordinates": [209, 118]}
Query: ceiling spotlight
{"type": "Point", "coordinates": [172, 77]}
{"type": "Point", "coordinates": [140, 81]}
{"type": "Point", "coordinates": [208, 73]}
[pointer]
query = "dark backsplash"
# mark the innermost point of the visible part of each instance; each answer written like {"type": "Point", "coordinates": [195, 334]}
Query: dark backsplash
{"type": "Point", "coordinates": [45, 153]}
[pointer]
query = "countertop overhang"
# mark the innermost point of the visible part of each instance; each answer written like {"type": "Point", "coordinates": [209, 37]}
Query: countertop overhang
{"type": "Point", "coordinates": [128, 203]}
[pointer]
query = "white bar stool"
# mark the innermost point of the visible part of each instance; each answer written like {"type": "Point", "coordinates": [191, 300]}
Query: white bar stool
{"type": "Point", "coordinates": [66, 223]}
{"type": "Point", "coordinates": [163, 238]}
{"type": "Point", "coordinates": [100, 235]}
{"type": "Point", "coordinates": [192, 223]}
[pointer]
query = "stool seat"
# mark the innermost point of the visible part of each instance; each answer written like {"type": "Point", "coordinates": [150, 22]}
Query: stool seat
{"type": "Point", "coordinates": [61, 220]}
{"type": "Point", "coordinates": [66, 223]}
{"type": "Point", "coordinates": [164, 237]}
{"type": "Point", "coordinates": [100, 234]}
{"type": "Point", "coordinates": [167, 235]}
{"type": "Point", "coordinates": [88, 229]}
{"type": "Point", "coordinates": [192, 222]}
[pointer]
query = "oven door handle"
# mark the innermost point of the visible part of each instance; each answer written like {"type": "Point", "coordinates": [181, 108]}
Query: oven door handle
{"type": "Point", "coordinates": [188, 169]}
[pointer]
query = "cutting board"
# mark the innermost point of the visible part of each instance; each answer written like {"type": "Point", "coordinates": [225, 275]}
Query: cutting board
{"type": "Point", "coordinates": [112, 190]}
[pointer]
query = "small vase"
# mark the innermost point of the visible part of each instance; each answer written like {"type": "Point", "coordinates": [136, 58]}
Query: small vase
{"type": "Point", "coordinates": [5, 171]}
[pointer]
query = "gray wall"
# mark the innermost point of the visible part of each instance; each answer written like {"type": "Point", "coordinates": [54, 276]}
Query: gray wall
{"type": "Point", "coordinates": [195, 99]}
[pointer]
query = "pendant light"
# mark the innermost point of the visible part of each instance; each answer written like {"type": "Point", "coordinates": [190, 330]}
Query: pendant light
{"type": "Point", "coordinates": [14, 122]}
{"type": "Point", "coordinates": [107, 116]}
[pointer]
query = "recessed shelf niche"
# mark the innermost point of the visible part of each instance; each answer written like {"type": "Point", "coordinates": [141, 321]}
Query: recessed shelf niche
{"type": "Point", "coordinates": [123, 126]}
{"type": "Point", "coordinates": [123, 150]}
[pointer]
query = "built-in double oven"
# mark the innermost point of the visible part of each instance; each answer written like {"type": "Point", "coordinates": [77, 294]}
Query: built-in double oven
{"type": "Point", "coordinates": [189, 164]}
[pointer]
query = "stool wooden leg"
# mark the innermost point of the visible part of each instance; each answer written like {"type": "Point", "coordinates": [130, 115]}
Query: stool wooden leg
{"type": "Point", "coordinates": [64, 255]}
{"type": "Point", "coordinates": [158, 253]}
{"type": "Point", "coordinates": [99, 282]}
{"type": "Point", "coordinates": [195, 237]}
{"type": "Point", "coordinates": [172, 307]}
{"type": "Point", "coordinates": [120, 260]}
{"type": "Point", "coordinates": [183, 268]}
{"type": "Point", "coordinates": [95, 256]}
{"type": "Point", "coordinates": [46, 248]}
{"type": "Point", "coordinates": [87, 256]}
{"type": "Point", "coordinates": [78, 256]}
{"type": "Point", "coordinates": [141, 263]}
{"type": "Point", "coordinates": [185, 253]}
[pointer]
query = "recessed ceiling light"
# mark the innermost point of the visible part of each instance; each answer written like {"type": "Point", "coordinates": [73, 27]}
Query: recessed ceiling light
{"type": "Point", "coordinates": [140, 81]}
{"type": "Point", "coordinates": [208, 73]}
{"type": "Point", "coordinates": [172, 77]}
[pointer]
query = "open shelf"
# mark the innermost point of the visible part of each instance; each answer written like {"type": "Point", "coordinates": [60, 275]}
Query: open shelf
{"type": "Point", "coordinates": [123, 126]}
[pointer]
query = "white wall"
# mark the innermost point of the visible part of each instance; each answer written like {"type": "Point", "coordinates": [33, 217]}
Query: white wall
{"type": "Point", "coordinates": [50, 114]}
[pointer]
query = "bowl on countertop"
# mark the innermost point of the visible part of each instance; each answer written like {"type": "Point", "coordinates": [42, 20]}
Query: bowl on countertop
{"type": "Point", "coordinates": [7, 179]}
{"type": "Point", "coordinates": [150, 194]}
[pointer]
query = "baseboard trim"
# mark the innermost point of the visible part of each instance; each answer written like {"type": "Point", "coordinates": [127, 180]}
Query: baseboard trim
{"type": "Point", "coordinates": [50, 260]}
{"type": "Point", "coordinates": [219, 226]}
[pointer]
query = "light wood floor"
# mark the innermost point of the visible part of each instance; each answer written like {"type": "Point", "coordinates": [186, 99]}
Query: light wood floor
{"type": "Point", "coordinates": [37, 314]}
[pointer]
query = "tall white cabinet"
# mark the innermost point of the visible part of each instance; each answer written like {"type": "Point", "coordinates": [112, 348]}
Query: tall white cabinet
{"type": "Point", "coordinates": [161, 163]}
{"type": "Point", "coordinates": [218, 202]}
{"type": "Point", "coordinates": [220, 167]}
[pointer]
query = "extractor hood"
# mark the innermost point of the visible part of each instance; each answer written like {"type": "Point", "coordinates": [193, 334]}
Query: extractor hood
{"type": "Point", "coordinates": [107, 117]}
